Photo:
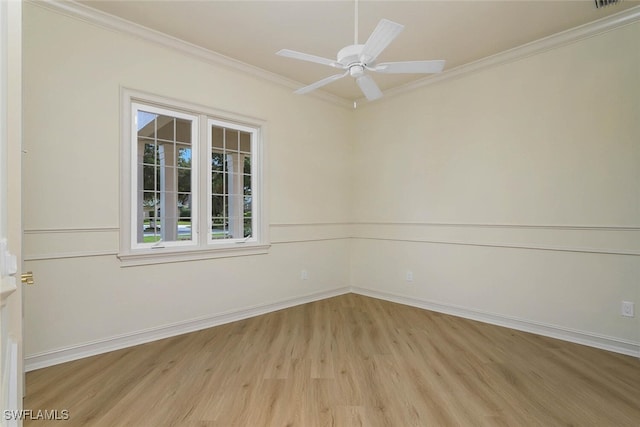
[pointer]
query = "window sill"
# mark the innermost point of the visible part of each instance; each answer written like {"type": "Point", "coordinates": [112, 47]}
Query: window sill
{"type": "Point", "coordinates": [169, 255]}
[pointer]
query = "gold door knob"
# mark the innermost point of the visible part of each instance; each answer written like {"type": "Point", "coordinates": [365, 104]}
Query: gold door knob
{"type": "Point", "coordinates": [27, 278]}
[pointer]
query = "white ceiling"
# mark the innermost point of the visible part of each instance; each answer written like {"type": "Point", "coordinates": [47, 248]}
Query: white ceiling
{"type": "Point", "coordinates": [458, 31]}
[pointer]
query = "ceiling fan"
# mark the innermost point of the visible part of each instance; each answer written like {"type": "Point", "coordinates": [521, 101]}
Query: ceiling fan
{"type": "Point", "coordinates": [357, 59]}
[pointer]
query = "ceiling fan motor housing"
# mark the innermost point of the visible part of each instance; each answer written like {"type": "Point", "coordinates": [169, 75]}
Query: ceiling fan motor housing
{"type": "Point", "coordinates": [352, 55]}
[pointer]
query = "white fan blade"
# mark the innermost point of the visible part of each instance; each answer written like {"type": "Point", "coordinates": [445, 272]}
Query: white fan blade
{"type": "Point", "coordinates": [369, 87]}
{"type": "Point", "coordinates": [384, 34]}
{"type": "Point", "coordinates": [413, 67]}
{"type": "Point", "coordinates": [320, 83]}
{"type": "Point", "coordinates": [306, 57]}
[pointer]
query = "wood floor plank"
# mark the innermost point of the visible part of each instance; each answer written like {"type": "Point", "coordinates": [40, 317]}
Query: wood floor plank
{"type": "Point", "coordinates": [345, 361]}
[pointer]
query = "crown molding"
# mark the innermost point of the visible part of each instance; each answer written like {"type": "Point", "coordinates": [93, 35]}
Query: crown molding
{"type": "Point", "coordinates": [105, 20]}
{"type": "Point", "coordinates": [535, 47]}
{"type": "Point", "coordinates": [102, 19]}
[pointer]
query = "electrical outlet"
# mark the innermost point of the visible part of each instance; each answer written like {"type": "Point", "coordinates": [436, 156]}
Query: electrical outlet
{"type": "Point", "coordinates": [409, 276]}
{"type": "Point", "coordinates": [304, 275]}
{"type": "Point", "coordinates": [627, 309]}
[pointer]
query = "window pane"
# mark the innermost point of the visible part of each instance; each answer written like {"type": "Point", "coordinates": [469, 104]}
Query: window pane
{"type": "Point", "coordinates": [184, 205]}
{"type": "Point", "coordinates": [165, 128]}
{"type": "Point", "coordinates": [150, 177]}
{"type": "Point", "coordinates": [151, 238]}
{"type": "Point", "coordinates": [218, 208]}
{"type": "Point", "coordinates": [247, 227]}
{"type": "Point", "coordinates": [183, 130]}
{"type": "Point", "coordinates": [166, 154]}
{"type": "Point", "coordinates": [217, 137]}
{"type": "Point", "coordinates": [184, 156]}
{"type": "Point", "coordinates": [247, 206]}
{"type": "Point", "coordinates": [247, 185]}
{"type": "Point", "coordinates": [146, 124]}
{"type": "Point", "coordinates": [167, 178]}
{"type": "Point", "coordinates": [228, 183]}
{"type": "Point", "coordinates": [169, 228]}
{"type": "Point", "coordinates": [247, 164]}
{"type": "Point", "coordinates": [231, 139]}
{"type": "Point", "coordinates": [232, 183]}
{"type": "Point", "coordinates": [219, 228]}
{"type": "Point", "coordinates": [217, 161]}
{"type": "Point", "coordinates": [150, 217]}
{"type": "Point", "coordinates": [184, 180]}
{"type": "Point", "coordinates": [151, 199]}
{"type": "Point", "coordinates": [245, 142]}
{"type": "Point", "coordinates": [217, 183]}
{"type": "Point", "coordinates": [184, 229]}
{"type": "Point", "coordinates": [150, 155]}
{"type": "Point", "coordinates": [229, 165]}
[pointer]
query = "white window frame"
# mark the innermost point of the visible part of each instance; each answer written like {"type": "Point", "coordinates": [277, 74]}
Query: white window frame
{"type": "Point", "coordinates": [202, 245]}
{"type": "Point", "coordinates": [255, 137]}
{"type": "Point", "coordinates": [135, 178]}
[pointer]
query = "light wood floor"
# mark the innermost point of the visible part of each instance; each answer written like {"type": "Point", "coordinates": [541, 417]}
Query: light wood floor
{"type": "Point", "coordinates": [345, 361]}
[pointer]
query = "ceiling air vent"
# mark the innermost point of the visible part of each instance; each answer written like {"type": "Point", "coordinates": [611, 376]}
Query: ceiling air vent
{"type": "Point", "coordinates": [603, 3]}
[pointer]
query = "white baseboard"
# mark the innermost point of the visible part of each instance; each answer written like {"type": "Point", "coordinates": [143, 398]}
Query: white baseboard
{"type": "Point", "coordinates": [580, 337]}
{"type": "Point", "coordinates": [62, 355]}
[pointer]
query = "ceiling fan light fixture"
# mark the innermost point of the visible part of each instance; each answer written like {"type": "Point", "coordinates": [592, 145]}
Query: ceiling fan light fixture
{"type": "Point", "coordinates": [356, 70]}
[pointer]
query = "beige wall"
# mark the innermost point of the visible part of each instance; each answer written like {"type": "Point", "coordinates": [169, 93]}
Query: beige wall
{"type": "Point", "coordinates": [73, 72]}
{"type": "Point", "coordinates": [510, 192]}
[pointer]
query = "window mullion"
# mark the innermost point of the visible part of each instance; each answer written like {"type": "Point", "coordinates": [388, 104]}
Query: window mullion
{"type": "Point", "coordinates": [225, 183]}
{"type": "Point", "coordinates": [202, 193]}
